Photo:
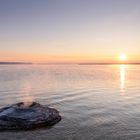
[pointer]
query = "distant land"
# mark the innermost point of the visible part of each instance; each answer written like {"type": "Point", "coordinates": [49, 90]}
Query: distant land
{"type": "Point", "coordinates": [109, 63]}
{"type": "Point", "coordinates": [14, 63]}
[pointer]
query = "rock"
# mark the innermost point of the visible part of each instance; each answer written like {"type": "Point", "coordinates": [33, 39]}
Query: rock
{"type": "Point", "coordinates": [22, 117]}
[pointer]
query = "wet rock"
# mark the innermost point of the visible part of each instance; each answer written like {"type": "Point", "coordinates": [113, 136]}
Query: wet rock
{"type": "Point", "coordinates": [23, 117]}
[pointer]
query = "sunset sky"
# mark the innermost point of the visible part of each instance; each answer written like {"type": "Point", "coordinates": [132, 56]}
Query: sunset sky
{"type": "Point", "coordinates": [69, 30]}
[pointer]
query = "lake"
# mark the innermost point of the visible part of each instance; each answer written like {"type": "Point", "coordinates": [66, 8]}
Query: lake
{"type": "Point", "coordinates": [96, 102]}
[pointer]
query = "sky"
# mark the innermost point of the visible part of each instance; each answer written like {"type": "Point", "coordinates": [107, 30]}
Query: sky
{"type": "Point", "coordinates": [69, 30]}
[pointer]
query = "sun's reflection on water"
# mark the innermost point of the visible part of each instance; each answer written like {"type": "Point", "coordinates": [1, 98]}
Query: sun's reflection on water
{"type": "Point", "coordinates": [122, 78]}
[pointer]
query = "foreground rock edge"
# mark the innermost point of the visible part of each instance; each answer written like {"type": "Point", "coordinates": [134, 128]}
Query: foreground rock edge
{"type": "Point", "coordinates": [22, 117]}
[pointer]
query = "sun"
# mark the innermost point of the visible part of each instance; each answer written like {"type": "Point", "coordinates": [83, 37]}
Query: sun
{"type": "Point", "coordinates": [123, 57]}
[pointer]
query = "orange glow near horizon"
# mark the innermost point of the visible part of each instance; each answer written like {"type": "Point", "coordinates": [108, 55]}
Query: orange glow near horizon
{"type": "Point", "coordinates": [67, 58]}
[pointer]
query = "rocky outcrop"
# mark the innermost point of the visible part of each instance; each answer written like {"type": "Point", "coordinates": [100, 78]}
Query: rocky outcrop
{"type": "Point", "coordinates": [22, 117]}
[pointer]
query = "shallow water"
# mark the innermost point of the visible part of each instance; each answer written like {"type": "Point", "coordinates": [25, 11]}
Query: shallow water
{"type": "Point", "coordinates": [97, 102]}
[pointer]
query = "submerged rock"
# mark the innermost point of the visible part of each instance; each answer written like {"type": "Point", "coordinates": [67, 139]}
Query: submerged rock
{"type": "Point", "coordinates": [20, 116]}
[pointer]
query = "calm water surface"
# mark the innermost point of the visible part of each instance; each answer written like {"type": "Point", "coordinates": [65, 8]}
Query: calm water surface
{"type": "Point", "coordinates": [97, 102]}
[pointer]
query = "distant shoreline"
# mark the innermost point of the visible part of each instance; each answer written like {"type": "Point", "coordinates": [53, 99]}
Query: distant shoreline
{"type": "Point", "coordinates": [109, 63]}
{"type": "Point", "coordinates": [15, 63]}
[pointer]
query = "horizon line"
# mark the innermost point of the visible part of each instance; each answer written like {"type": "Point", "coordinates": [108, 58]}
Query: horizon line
{"type": "Point", "coordinates": [60, 63]}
